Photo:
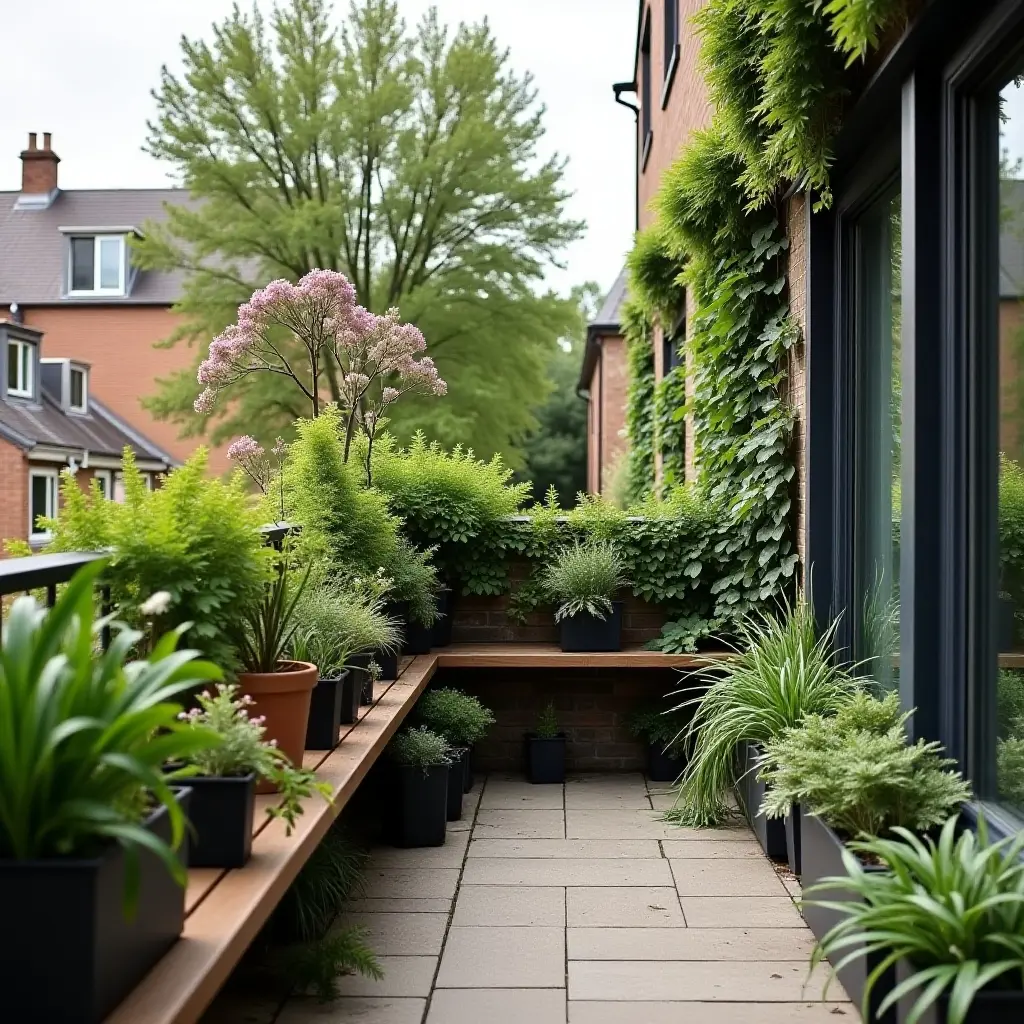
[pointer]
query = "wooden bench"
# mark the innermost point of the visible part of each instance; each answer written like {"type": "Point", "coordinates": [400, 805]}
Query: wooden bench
{"type": "Point", "coordinates": [226, 909]}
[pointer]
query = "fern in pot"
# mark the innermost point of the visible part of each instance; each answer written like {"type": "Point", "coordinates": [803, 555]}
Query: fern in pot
{"type": "Point", "coordinates": [92, 834]}
{"type": "Point", "coordinates": [583, 580]}
{"type": "Point", "coordinates": [852, 775]}
{"type": "Point", "coordinates": [420, 807]}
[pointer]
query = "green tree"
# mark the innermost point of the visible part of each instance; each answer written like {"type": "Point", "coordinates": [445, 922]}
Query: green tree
{"type": "Point", "coordinates": [556, 450]}
{"type": "Point", "coordinates": [406, 159]}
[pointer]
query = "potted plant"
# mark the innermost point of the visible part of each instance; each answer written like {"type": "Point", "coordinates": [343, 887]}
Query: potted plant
{"type": "Point", "coordinates": [416, 587]}
{"type": "Point", "coordinates": [662, 730]}
{"type": "Point", "coordinates": [462, 720]}
{"type": "Point", "coordinates": [947, 913]}
{"type": "Point", "coordinates": [333, 621]}
{"type": "Point", "coordinates": [281, 689]}
{"type": "Point", "coordinates": [223, 780]}
{"type": "Point", "coordinates": [420, 809]}
{"type": "Point", "coordinates": [367, 669]}
{"type": "Point", "coordinates": [781, 671]}
{"type": "Point", "coordinates": [583, 579]}
{"type": "Point", "coordinates": [545, 749]}
{"type": "Point", "coordinates": [91, 885]}
{"type": "Point", "coordinates": [853, 775]}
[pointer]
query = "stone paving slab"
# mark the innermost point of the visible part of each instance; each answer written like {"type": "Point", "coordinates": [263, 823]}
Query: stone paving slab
{"type": "Point", "coordinates": [689, 944]}
{"type": "Point", "coordinates": [727, 877]}
{"type": "Point", "coordinates": [713, 849]}
{"type": "Point", "coordinates": [403, 976]}
{"type": "Point", "coordinates": [632, 907]}
{"type": "Point", "coordinates": [741, 912]}
{"type": "Point", "coordinates": [570, 849]}
{"type": "Point", "coordinates": [512, 906]}
{"type": "Point", "coordinates": [708, 981]}
{"type": "Point", "coordinates": [582, 1012]}
{"type": "Point", "coordinates": [613, 792]}
{"type": "Point", "coordinates": [400, 934]}
{"type": "Point", "coordinates": [448, 856]}
{"type": "Point", "coordinates": [509, 794]}
{"type": "Point", "coordinates": [552, 871]}
{"type": "Point", "coordinates": [364, 1010]}
{"type": "Point", "coordinates": [497, 1006]}
{"type": "Point", "coordinates": [421, 883]}
{"type": "Point", "coordinates": [399, 905]}
{"type": "Point", "coordinates": [618, 823]}
{"type": "Point", "coordinates": [503, 957]}
{"type": "Point", "coordinates": [519, 824]}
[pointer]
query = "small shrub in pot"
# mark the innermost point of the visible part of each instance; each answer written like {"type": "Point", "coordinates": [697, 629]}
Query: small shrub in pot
{"type": "Point", "coordinates": [461, 719]}
{"type": "Point", "coordinates": [583, 579]}
{"type": "Point", "coordinates": [419, 813]}
{"type": "Point", "coordinates": [662, 730]}
{"type": "Point", "coordinates": [545, 750]}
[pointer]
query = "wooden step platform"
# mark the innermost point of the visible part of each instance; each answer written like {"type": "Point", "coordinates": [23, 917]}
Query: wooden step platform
{"type": "Point", "coordinates": [552, 656]}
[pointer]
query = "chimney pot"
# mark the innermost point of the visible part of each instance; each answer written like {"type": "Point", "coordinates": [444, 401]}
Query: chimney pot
{"type": "Point", "coordinates": [31, 140]}
{"type": "Point", "coordinates": [38, 167]}
{"type": "Point", "coordinates": [46, 141]}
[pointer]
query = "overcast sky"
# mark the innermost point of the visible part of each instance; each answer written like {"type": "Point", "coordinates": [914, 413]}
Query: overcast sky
{"type": "Point", "coordinates": [84, 72]}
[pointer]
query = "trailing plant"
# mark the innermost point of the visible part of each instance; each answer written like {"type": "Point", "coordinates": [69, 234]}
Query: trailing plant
{"type": "Point", "coordinates": [858, 773]}
{"type": "Point", "coordinates": [418, 747]}
{"type": "Point", "coordinates": [547, 723]}
{"type": "Point", "coordinates": [952, 909]}
{"type": "Point", "coordinates": [194, 538]}
{"type": "Point", "coordinates": [681, 636]}
{"type": "Point", "coordinates": [659, 726]}
{"type": "Point", "coordinates": [461, 719]}
{"type": "Point", "coordinates": [781, 672]}
{"type": "Point", "coordinates": [84, 734]}
{"type": "Point", "coordinates": [670, 426]}
{"type": "Point", "coordinates": [242, 750]}
{"type": "Point", "coordinates": [583, 578]}
{"type": "Point", "coordinates": [316, 966]}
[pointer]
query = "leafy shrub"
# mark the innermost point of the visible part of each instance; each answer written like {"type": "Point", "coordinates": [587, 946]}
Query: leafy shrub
{"type": "Point", "coordinates": [857, 772]}
{"type": "Point", "coordinates": [264, 631]}
{"type": "Point", "coordinates": [952, 909]}
{"type": "Point", "coordinates": [1010, 768]}
{"type": "Point", "coordinates": [657, 725]}
{"type": "Point", "coordinates": [1011, 528]}
{"type": "Point", "coordinates": [414, 579]}
{"type": "Point", "coordinates": [195, 538]}
{"type": "Point", "coordinates": [781, 673]}
{"type": "Point", "coordinates": [584, 578]}
{"type": "Point", "coordinates": [461, 719]}
{"type": "Point", "coordinates": [419, 748]}
{"type": "Point", "coordinates": [682, 636]}
{"type": "Point", "coordinates": [85, 735]}
{"type": "Point", "coordinates": [1009, 701]}
{"type": "Point", "coordinates": [547, 723]}
{"type": "Point", "coordinates": [317, 965]}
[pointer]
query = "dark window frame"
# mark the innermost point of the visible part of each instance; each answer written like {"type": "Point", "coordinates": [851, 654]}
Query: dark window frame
{"type": "Point", "coordinates": [671, 51]}
{"type": "Point", "coordinates": [646, 92]}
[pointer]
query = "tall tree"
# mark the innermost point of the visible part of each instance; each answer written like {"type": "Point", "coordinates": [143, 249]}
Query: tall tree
{"type": "Point", "coordinates": [406, 159]}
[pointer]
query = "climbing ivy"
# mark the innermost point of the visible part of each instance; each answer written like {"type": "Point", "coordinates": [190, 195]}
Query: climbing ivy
{"type": "Point", "coordinates": [639, 402]}
{"type": "Point", "coordinates": [670, 424]}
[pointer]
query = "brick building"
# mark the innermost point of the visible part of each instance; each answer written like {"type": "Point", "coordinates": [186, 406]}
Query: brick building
{"type": "Point", "coordinates": [66, 271]}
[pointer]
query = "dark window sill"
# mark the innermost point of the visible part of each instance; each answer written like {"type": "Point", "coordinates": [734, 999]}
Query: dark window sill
{"type": "Point", "coordinates": [646, 151]}
{"type": "Point", "coordinates": [670, 76]}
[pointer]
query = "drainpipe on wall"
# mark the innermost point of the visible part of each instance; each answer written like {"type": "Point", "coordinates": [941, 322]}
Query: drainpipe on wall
{"type": "Point", "coordinates": [618, 89]}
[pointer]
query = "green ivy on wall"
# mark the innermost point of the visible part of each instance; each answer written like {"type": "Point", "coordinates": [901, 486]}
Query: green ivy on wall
{"type": "Point", "coordinates": [639, 402]}
{"type": "Point", "coordinates": [670, 426]}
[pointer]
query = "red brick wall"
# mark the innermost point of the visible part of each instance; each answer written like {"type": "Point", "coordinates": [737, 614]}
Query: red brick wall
{"type": "Point", "coordinates": [592, 705]}
{"type": "Point", "coordinates": [613, 398]}
{"type": "Point", "coordinates": [13, 493]}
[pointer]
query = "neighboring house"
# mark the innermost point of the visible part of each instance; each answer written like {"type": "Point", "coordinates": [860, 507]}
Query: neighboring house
{"type": "Point", "coordinates": [50, 421]}
{"type": "Point", "coordinates": [66, 270]}
{"type": "Point", "coordinates": [603, 381]}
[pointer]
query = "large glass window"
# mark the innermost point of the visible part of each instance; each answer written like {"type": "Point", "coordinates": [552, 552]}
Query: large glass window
{"type": "Point", "coordinates": [877, 430]}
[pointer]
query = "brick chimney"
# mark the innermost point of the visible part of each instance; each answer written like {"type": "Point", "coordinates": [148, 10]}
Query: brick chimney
{"type": "Point", "coordinates": [38, 167]}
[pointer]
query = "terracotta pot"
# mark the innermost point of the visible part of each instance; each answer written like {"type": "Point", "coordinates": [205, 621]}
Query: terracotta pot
{"type": "Point", "coordinates": [283, 697]}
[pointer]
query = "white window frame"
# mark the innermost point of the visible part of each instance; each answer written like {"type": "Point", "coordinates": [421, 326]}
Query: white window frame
{"type": "Point", "coordinates": [96, 266]}
{"type": "Point", "coordinates": [53, 500]}
{"type": "Point", "coordinates": [84, 407]}
{"type": "Point", "coordinates": [26, 367]}
{"type": "Point", "coordinates": [106, 479]}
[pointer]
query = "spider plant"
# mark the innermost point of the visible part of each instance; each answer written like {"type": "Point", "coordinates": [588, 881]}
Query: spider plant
{"type": "Point", "coordinates": [266, 631]}
{"type": "Point", "coordinates": [953, 910]}
{"type": "Point", "coordinates": [781, 672]}
{"type": "Point", "coordinates": [84, 735]}
{"type": "Point", "coordinates": [584, 578]}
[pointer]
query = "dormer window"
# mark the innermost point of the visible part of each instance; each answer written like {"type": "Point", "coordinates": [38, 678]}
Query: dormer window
{"type": "Point", "coordinates": [78, 390]}
{"type": "Point", "coordinates": [97, 265]}
{"type": "Point", "coordinates": [19, 368]}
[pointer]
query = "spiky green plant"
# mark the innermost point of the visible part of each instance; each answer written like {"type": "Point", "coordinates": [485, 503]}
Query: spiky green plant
{"type": "Point", "coordinates": [781, 672]}
{"type": "Point", "coordinates": [953, 910]}
{"type": "Point", "coordinates": [547, 723]}
{"type": "Point", "coordinates": [583, 578]}
{"type": "Point", "coordinates": [317, 964]}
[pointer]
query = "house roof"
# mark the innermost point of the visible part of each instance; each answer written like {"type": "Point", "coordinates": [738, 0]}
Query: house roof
{"type": "Point", "coordinates": [606, 323]}
{"type": "Point", "coordinates": [1011, 239]}
{"type": "Point", "coordinates": [32, 247]}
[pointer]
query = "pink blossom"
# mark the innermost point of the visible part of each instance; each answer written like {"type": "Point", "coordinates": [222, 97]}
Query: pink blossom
{"type": "Point", "coordinates": [390, 395]}
{"type": "Point", "coordinates": [206, 401]}
{"type": "Point", "coordinates": [244, 447]}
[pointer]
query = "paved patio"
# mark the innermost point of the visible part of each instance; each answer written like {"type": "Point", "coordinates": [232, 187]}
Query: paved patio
{"type": "Point", "coordinates": [575, 903]}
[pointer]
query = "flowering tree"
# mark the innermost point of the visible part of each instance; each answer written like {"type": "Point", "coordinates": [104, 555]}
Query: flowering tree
{"type": "Point", "coordinates": [372, 360]}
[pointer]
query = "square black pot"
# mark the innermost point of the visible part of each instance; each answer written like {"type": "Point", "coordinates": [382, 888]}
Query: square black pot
{"type": "Point", "coordinates": [418, 638]}
{"type": "Point", "coordinates": [793, 834]}
{"type": "Point", "coordinates": [359, 670]}
{"type": "Point", "coordinates": [388, 666]}
{"type": "Point", "coordinates": [545, 759]}
{"type": "Point", "coordinates": [821, 856]}
{"type": "Point", "coordinates": [770, 832]}
{"type": "Point", "coordinates": [989, 1006]}
{"type": "Point", "coordinates": [663, 766]}
{"type": "Point", "coordinates": [467, 769]}
{"type": "Point", "coordinates": [442, 629]}
{"type": "Point", "coordinates": [456, 782]}
{"type": "Point", "coordinates": [420, 807]}
{"type": "Point", "coordinates": [586, 632]}
{"type": "Point", "coordinates": [327, 710]}
{"type": "Point", "coordinates": [221, 811]}
{"type": "Point", "coordinates": [69, 955]}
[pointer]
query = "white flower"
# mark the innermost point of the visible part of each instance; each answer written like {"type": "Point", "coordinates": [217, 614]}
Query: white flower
{"type": "Point", "coordinates": [156, 604]}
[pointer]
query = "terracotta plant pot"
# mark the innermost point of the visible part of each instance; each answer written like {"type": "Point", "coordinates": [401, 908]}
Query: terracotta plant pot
{"type": "Point", "coordinates": [283, 697]}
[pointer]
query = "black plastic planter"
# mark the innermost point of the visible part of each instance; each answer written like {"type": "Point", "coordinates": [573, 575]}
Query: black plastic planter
{"type": "Point", "coordinates": [456, 783]}
{"type": "Point", "coordinates": [663, 766]}
{"type": "Point", "coordinates": [328, 708]}
{"type": "Point", "coordinates": [821, 856]}
{"type": "Point", "coordinates": [221, 812]}
{"type": "Point", "coordinates": [359, 672]}
{"type": "Point", "coordinates": [388, 664]}
{"type": "Point", "coordinates": [442, 629]}
{"type": "Point", "coordinates": [770, 832]}
{"type": "Point", "coordinates": [418, 638]}
{"type": "Point", "coordinates": [467, 769]}
{"type": "Point", "coordinates": [421, 806]}
{"type": "Point", "coordinates": [399, 611]}
{"type": "Point", "coordinates": [69, 954]}
{"type": "Point", "coordinates": [586, 632]}
{"type": "Point", "coordinates": [545, 759]}
{"type": "Point", "coordinates": [990, 1006]}
{"type": "Point", "coordinates": [793, 835]}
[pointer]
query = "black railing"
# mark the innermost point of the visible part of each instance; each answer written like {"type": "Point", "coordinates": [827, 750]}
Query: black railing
{"type": "Point", "coordinates": [34, 572]}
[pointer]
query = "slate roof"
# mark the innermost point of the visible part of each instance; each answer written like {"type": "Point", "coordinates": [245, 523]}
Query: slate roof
{"type": "Point", "coordinates": [610, 312]}
{"type": "Point", "coordinates": [32, 248]}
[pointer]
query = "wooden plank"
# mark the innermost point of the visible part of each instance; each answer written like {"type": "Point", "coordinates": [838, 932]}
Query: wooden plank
{"type": "Point", "coordinates": [226, 918]}
{"type": "Point", "coordinates": [551, 656]}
